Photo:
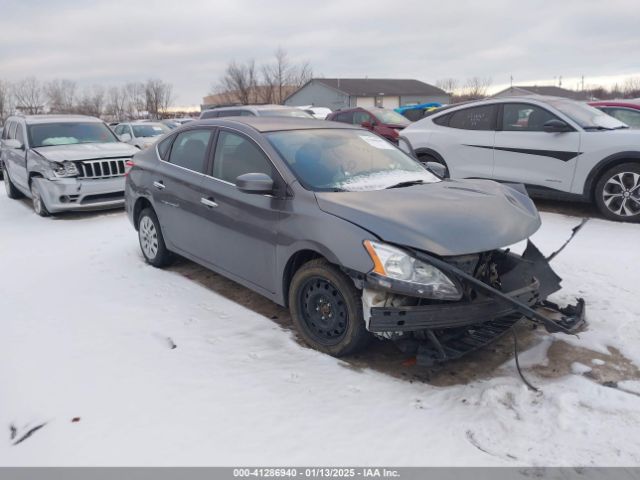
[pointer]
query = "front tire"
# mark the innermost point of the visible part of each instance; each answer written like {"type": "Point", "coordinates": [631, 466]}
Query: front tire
{"type": "Point", "coordinates": [12, 191]}
{"type": "Point", "coordinates": [617, 193]}
{"type": "Point", "coordinates": [151, 240]}
{"type": "Point", "coordinates": [326, 309]}
{"type": "Point", "coordinates": [36, 200]}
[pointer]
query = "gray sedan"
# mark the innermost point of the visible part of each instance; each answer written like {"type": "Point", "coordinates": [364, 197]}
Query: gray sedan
{"type": "Point", "coordinates": [355, 236]}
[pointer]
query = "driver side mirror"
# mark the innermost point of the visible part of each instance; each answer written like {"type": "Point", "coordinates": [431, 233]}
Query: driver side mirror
{"type": "Point", "coordinates": [368, 124]}
{"type": "Point", "coordinates": [260, 183]}
{"type": "Point", "coordinates": [13, 144]}
{"type": "Point", "coordinates": [556, 126]}
{"type": "Point", "coordinates": [436, 168]}
{"type": "Point", "coordinates": [125, 137]}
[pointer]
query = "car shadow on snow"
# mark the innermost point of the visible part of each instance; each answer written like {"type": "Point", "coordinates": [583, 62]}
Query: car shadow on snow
{"type": "Point", "coordinates": [487, 362]}
{"type": "Point", "coordinates": [381, 356]}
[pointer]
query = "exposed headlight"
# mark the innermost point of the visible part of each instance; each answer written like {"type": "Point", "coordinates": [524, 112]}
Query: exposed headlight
{"type": "Point", "coordinates": [408, 273]}
{"type": "Point", "coordinates": [64, 169]}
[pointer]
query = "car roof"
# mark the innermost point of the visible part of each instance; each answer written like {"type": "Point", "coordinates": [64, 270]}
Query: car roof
{"type": "Point", "coordinates": [253, 107]}
{"type": "Point", "coordinates": [33, 119]}
{"type": "Point", "coordinates": [274, 124]}
{"type": "Point", "coordinates": [616, 103]}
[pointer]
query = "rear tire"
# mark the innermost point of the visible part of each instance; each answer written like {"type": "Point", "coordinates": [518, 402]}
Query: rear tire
{"type": "Point", "coordinates": [151, 240]}
{"type": "Point", "coordinates": [617, 193]}
{"type": "Point", "coordinates": [326, 309]}
{"type": "Point", "coordinates": [12, 191]}
{"type": "Point", "coordinates": [36, 200]}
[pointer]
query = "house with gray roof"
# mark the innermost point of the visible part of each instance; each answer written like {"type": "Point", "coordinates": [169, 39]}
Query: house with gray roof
{"type": "Point", "coordinates": [547, 90]}
{"type": "Point", "coordinates": [337, 93]}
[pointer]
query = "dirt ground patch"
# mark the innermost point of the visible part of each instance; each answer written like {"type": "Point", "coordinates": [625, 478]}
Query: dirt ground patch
{"type": "Point", "coordinates": [384, 357]}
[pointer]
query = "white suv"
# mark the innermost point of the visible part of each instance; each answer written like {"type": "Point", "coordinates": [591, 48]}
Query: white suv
{"type": "Point", "coordinates": [557, 147]}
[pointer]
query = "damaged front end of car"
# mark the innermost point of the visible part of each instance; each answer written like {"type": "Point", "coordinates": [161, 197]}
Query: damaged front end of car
{"type": "Point", "coordinates": [440, 308]}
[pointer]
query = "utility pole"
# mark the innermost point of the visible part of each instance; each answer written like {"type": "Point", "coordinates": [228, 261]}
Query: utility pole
{"type": "Point", "coordinates": [560, 81]}
{"type": "Point", "coordinates": [582, 80]}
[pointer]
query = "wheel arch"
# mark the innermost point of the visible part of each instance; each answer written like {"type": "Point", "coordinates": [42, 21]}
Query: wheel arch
{"type": "Point", "coordinates": [295, 261]}
{"type": "Point", "coordinates": [138, 207]}
{"type": "Point", "coordinates": [429, 151]}
{"type": "Point", "coordinates": [604, 165]}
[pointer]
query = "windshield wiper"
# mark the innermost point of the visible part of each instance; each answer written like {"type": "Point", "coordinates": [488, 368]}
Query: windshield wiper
{"type": "Point", "coordinates": [407, 183]}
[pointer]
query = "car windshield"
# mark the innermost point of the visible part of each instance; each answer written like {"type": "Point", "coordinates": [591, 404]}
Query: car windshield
{"type": "Point", "coordinates": [346, 160]}
{"type": "Point", "coordinates": [68, 133]}
{"type": "Point", "coordinates": [285, 112]}
{"type": "Point", "coordinates": [149, 130]}
{"type": "Point", "coordinates": [389, 116]}
{"type": "Point", "coordinates": [586, 116]}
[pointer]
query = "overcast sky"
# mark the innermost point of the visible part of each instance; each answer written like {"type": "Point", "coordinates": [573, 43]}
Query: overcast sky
{"type": "Point", "coordinates": [188, 43]}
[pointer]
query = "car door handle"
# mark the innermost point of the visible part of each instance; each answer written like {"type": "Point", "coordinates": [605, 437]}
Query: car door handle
{"type": "Point", "coordinates": [159, 185]}
{"type": "Point", "coordinates": [208, 202]}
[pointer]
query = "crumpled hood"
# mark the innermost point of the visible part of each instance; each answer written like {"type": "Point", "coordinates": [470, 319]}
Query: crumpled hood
{"type": "Point", "coordinates": [445, 218]}
{"type": "Point", "coordinates": [86, 151]}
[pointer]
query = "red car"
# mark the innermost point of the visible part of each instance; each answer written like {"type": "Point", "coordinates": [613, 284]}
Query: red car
{"type": "Point", "coordinates": [382, 121]}
{"type": "Point", "coordinates": [627, 111]}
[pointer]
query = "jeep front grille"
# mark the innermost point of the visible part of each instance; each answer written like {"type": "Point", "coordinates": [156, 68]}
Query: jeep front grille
{"type": "Point", "coordinates": [105, 168]}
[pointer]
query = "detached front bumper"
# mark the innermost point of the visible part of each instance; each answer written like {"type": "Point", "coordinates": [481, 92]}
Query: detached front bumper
{"type": "Point", "coordinates": [81, 194]}
{"type": "Point", "coordinates": [437, 331]}
{"type": "Point", "coordinates": [448, 315]}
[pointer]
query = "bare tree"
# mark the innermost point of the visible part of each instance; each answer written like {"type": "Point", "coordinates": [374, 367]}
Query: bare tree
{"type": "Point", "coordinates": [61, 95]}
{"type": "Point", "coordinates": [476, 87]}
{"type": "Point", "coordinates": [135, 102]}
{"type": "Point", "coordinates": [631, 87]}
{"type": "Point", "coordinates": [117, 103]}
{"type": "Point", "coordinates": [5, 101]}
{"type": "Point", "coordinates": [271, 83]}
{"type": "Point", "coordinates": [92, 101]}
{"type": "Point", "coordinates": [300, 75]}
{"type": "Point", "coordinates": [449, 85]}
{"type": "Point", "coordinates": [159, 97]}
{"type": "Point", "coordinates": [29, 96]}
{"type": "Point", "coordinates": [240, 79]}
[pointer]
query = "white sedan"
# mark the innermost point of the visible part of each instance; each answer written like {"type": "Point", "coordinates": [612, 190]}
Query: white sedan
{"type": "Point", "coordinates": [140, 134]}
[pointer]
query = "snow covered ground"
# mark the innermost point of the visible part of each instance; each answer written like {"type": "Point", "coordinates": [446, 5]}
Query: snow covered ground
{"type": "Point", "coordinates": [88, 332]}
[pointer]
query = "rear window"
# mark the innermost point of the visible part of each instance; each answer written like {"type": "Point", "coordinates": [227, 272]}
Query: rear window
{"type": "Point", "coordinates": [208, 114]}
{"type": "Point", "coordinates": [442, 120]}
{"type": "Point", "coordinates": [475, 118]}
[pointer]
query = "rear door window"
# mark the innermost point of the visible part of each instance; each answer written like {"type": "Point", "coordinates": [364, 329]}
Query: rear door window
{"type": "Point", "coordinates": [20, 134]}
{"type": "Point", "coordinates": [344, 117]}
{"type": "Point", "coordinates": [190, 149]}
{"type": "Point", "coordinates": [12, 130]}
{"type": "Point", "coordinates": [475, 118]}
{"type": "Point", "coordinates": [360, 117]}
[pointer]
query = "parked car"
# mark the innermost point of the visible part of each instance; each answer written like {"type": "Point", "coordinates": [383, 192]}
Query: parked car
{"type": "Point", "coordinates": [254, 111]}
{"type": "Point", "coordinates": [140, 134]}
{"type": "Point", "coordinates": [352, 234]}
{"type": "Point", "coordinates": [417, 112]}
{"type": "Point", "coordinates": [64, 162]}
{"type": "Point", "coordinates": [559, 148]}
{"type": "Point", "coordinates": [382, 121]}
{"type": "Point", "coordinates": [320, 113]}
{"type": "Point", "coordinates": [627, 111]}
